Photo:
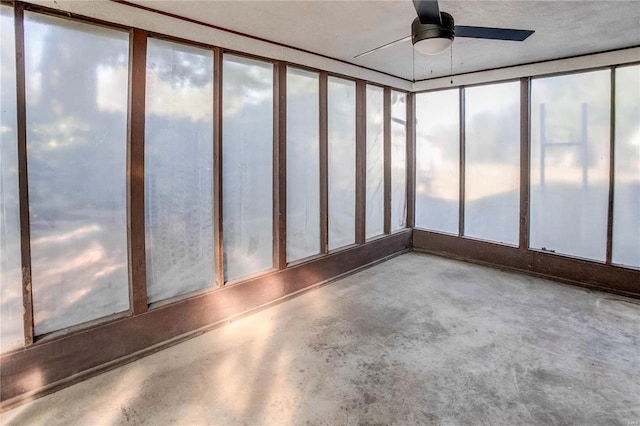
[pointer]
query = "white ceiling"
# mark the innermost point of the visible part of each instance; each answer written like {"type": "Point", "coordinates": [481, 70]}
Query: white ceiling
{"type": "Point", "coordinates": [342, 29]}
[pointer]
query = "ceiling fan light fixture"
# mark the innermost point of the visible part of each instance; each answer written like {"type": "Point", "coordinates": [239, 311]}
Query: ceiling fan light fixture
{"type": "Point", "coordinates": [433, 46]}
{"type": "Point", "coordinates": [433, 38]}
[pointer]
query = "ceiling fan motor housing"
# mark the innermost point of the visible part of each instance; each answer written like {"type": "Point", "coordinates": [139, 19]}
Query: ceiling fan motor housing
{"type": "Point", "coordinates": [420, 31]}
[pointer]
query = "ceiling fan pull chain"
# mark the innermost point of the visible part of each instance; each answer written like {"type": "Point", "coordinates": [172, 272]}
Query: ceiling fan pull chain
{"type": "Point", "coordinates": [451, 69]}
{"type": "Point", "coordinates": [413, 62]}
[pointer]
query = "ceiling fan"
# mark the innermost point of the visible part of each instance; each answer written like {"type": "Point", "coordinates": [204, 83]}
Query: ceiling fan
{"type": "Point", "coordinates": [433, 31]}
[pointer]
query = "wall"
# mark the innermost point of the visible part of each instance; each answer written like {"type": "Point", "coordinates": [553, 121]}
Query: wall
{"type": "Point", "coordinates": [572, 237]}
{"type": "Point", "coordinates": [113, 111]}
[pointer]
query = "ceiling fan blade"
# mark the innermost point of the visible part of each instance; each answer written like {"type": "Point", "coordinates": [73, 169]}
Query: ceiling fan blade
{"type": "Point", "coordinates": [428, 11]}
{"type": "Point", "coordinates": [384, 46]}
{"type": "Point", "coordinates": [492, 33]}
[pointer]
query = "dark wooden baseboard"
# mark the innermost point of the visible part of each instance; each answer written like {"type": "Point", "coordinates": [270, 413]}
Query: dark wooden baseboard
{"type": "Point", "coordinates": [54, 363]}
{"type": "Point", "coordinates": [614, 279]}
{"type": "Point", "coordinates": [57, 362]}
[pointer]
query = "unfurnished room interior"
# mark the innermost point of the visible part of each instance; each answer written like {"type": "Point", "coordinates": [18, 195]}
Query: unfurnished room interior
{"type": "Point", "coordinates": [320, 212]}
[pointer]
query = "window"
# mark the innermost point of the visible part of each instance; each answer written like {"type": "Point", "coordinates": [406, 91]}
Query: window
{"type": "Point", "coordinates": [398, 160]}
{"type": "Point", "coordinates": [76, 131]}
{"type": "Point", "coordinates": [11, 322]}
{"type": "Point", "coordinates": [438, 160]}
{"type": "Point", "coordinates": [626, 195]}
{"type": "Point", "coordinates": [178, 169]}
{"type": "Point", "coordinates": [342, 161]}
{"type": "Point", "coordinates": [570, 128]}
{"type": "Point", "coordinates": [492, 162]}
{"type": "Point", "coordinates": [375, 162]}
{"type": "Point", "coordinates": [303, 164]}
{"type": "Point", "coordinates": [247, 166]}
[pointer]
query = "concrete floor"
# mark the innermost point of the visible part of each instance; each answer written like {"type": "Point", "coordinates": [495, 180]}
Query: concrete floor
{"type": "Point", "coordinates": [415, 340]}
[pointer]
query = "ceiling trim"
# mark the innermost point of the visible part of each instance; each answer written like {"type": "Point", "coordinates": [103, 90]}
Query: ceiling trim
{"type": "Point", "coordinates": [535, 69]}
{"type": "Point", "coordinates": [252, 37]}
{"type": "Point", "coordinates": [122, 14]}
{"type": "Point", "coordinates": [125, 14]}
